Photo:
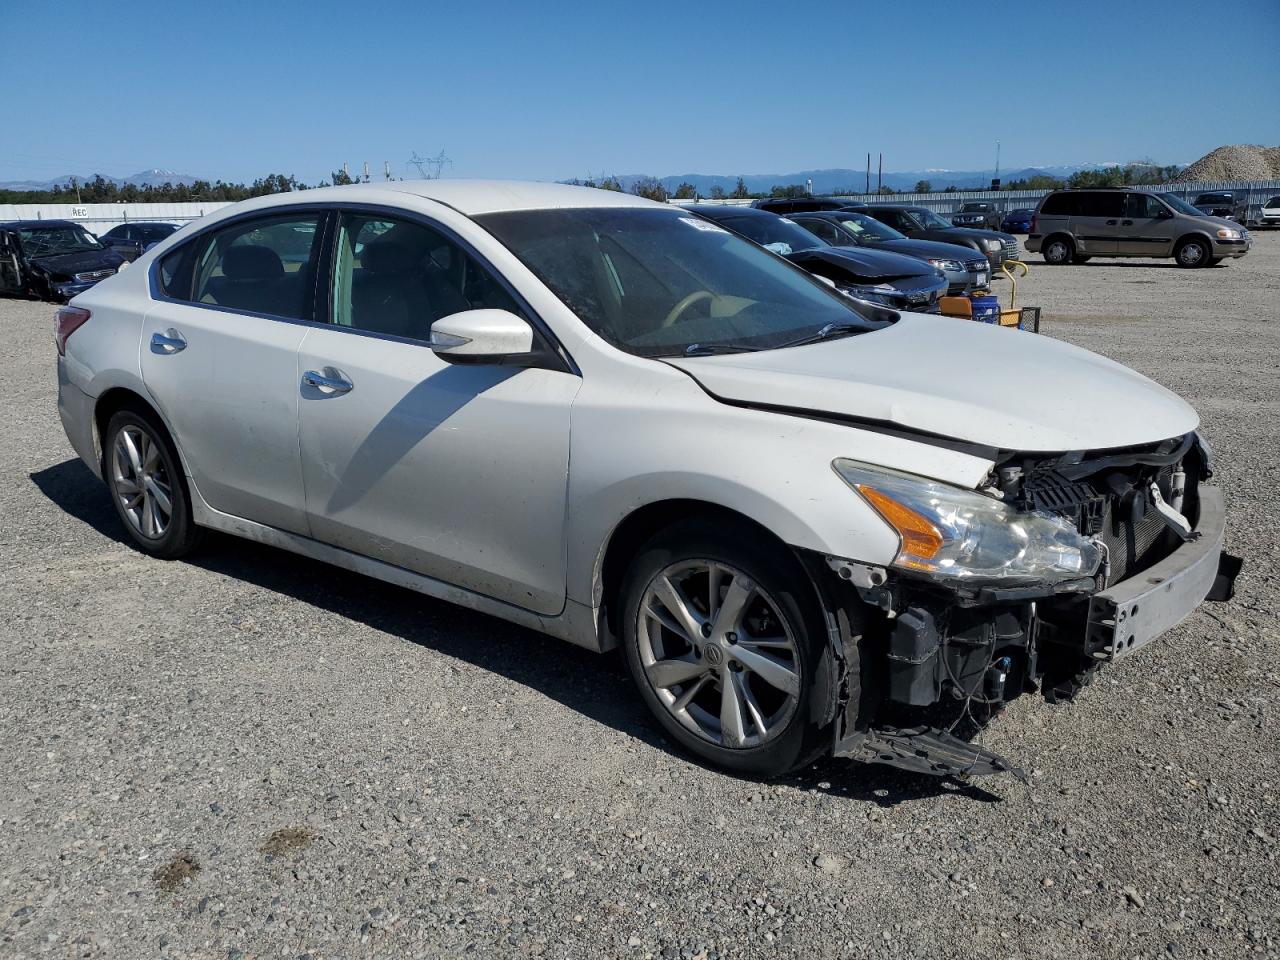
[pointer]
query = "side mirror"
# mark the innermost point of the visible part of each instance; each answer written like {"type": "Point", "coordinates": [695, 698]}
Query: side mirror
{"type": "Point", "coordinates": [482, 336]}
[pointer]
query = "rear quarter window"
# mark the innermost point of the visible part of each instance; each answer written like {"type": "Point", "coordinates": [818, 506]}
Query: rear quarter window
{"type": "Point", "coordinates": [1059, 204]}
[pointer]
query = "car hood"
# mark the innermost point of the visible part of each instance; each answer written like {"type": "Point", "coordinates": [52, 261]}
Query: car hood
{"type": "Point", "coordinates": [83, 262]}
{"type": "Point", "coordinates": [957, 379]}
{"type": "Point", "coordinates": [929, 248]}
{"type": "Point", "coordinates": [863, 263]}
{"type": "Point", "coordinates": [972, 233]}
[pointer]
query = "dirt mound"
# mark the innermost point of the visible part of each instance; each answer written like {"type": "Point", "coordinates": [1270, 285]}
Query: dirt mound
{"type": "Point", "coordinates": [1234, 162]}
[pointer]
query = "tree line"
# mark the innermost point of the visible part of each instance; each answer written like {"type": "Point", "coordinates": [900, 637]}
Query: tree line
{"type": "Point", "coordinates": [102, 190]}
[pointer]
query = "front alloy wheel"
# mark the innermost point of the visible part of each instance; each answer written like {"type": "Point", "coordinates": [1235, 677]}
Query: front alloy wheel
{"type": "Point", "coordinates": [724, 635]}
{"type": "Point", "coordinates": [718, 653]}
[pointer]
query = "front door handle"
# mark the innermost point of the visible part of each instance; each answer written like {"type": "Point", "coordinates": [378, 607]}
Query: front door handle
{"type": "Point", "coordinates": [1126, 223]}
{"type": "Point", "coordinates": [330, 381]}
{"type": "Point", "coordinates": [1111, 223]}
{"type": "Point", "coordinates": [168, 343]}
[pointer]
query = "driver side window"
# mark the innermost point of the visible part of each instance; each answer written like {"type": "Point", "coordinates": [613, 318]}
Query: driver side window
{"type": "Point", "coordinates": [1140, 206]}
{"type": "Point", "coordinates": [397, 277]}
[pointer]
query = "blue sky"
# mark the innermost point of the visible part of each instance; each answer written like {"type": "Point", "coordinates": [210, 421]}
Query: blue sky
{"type": "Point", "coordinates": [550, 90]}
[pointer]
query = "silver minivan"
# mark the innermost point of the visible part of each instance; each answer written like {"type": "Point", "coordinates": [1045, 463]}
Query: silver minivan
{"type": "Point", "coordinates": [1073, 226]}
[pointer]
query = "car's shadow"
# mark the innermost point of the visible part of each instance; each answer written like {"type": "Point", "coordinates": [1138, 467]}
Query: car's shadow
{"type": "Point", "coordinates": [593, 685]}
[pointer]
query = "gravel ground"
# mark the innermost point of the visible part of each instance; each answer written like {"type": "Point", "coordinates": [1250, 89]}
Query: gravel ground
{"type": "Point", "coordinates": [252, 755]}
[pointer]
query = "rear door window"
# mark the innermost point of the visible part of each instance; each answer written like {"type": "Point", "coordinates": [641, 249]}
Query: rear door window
{"type": "Point", "coordinates": [1101, 203]}
{"type": "Point", "coordinates": [261, 266]}
{"type": "Point", "coordinates": [822, 229]}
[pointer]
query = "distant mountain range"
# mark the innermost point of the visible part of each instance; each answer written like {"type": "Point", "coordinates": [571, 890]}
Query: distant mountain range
{"type": "Point", "coordinates": [845, 180]}
{"type": "Point", "coordinates": [147, 178]}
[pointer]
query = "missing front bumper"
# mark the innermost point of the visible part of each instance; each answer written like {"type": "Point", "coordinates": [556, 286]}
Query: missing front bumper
{"type": "Point", "coordinates": [1136, 611]}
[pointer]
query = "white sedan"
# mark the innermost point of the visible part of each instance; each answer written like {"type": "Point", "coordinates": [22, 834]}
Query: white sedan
{"type": "Point", "coordinates": [813, 526]}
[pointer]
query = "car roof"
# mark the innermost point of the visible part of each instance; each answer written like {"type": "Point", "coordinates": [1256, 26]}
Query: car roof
{"type": "Point", "coordinates": [713, 210]}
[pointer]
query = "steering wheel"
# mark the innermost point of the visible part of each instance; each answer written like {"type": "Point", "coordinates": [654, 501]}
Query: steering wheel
{"type": "Point", "coordinates": [685, 303]}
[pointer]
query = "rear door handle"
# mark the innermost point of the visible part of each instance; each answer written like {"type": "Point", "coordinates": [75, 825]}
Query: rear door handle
{"type": "Point", "coordinates": [1111, 223]}
{"type": "Point", "coordinates": [168, 343]}
{"type": "Point", "coordinates": [1127, 223]}
{"type": "Point", "coordinates": [330, 381]}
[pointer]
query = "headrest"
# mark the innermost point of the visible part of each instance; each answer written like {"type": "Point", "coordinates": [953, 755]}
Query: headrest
{"type": "Point", "coordinates": [386, 256]}
{"type": "Point", "coordinates": [251, 263]}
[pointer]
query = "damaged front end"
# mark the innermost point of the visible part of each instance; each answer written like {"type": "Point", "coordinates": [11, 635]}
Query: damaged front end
{"type": "Point", "coordinates": [1058, 564]}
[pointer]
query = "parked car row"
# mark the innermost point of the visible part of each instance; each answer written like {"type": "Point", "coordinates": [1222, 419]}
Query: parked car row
{"type": "Point", "coordinates": [812, 526]}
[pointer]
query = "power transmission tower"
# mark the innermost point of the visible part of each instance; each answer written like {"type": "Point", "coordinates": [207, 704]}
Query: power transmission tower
{"type": "Point", "coordinates": [429, 168]}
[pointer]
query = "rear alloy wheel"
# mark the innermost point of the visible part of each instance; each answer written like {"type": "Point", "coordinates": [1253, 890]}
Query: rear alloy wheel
{"type": "Point", "coordinates": [720, 639]}
{"type": "Point", "coordinates": [1058, 251]}
{"type": "Point", "coordinates": [1192, 253]}
{"type": "Point", "coordinates": [147, 487]}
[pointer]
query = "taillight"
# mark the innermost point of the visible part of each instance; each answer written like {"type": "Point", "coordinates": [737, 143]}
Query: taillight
{"type": "Point", "coordinates": [70, 319]}
{"type": "Point", "coordinates": [1032, 228]}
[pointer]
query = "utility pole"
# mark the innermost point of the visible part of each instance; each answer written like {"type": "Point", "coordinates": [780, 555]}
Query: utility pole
{"type": "Point", "coordinates": [880, 175]}
{"type": "Point", "coordinates": [346, 174]}
{"type": "Point", "coordinates": [386, 169]}
{"type": "Point", "coordinates": [995, 181]}
{"type": "Point", "coordinates": [76, 183]}
{"type": "Point", "coordinates": [868, 190]}
{"type": "Point", "coordinates": [366, 171]}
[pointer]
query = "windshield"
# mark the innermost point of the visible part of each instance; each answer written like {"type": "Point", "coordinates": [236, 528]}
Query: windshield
{"type": "Point", "coordinates": [778, 234]}
{"type": "Point", "coordinates": [1180, 205]}
{"type": "Point", "coordinates": [869, 229]}
{"type": "Point", "coordinates": [661, 283]}
{"type": "Point", "coordinates": [54, 241]}
{"type": "Point", "coordinates": [929, 219]}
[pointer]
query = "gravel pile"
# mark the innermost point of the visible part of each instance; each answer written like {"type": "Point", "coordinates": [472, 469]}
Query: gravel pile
{"type": "Point", "coordinates": [248, 755]}
{"type": "Point", "coordinates": [1239, 162]}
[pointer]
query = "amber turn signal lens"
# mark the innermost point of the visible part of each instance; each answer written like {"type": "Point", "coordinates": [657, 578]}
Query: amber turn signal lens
{"type": "Point", "coordinates": [920, 538]}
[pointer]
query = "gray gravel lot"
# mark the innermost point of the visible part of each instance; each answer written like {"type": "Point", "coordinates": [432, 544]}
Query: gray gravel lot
{"type": "Point", "coordinates": [251, 755]}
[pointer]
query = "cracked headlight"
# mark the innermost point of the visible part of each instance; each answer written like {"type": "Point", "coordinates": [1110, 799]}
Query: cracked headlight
{"type": "Point", "coordinates": [953, 265]}
{"type": "Point", "coordinates": [955, 534]}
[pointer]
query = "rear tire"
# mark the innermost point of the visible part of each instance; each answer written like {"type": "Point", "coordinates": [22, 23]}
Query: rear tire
{"type": "Point", "coordinates": [148, 488]}
{"type": "Point", "coordinates": [1192, 253]}
{"type": "Point", "coordinates": [1081, 258]}
{"type": "Point", "coordinates": [1058, 250]}
{"type": "Point", "coordinates": [681, 651]}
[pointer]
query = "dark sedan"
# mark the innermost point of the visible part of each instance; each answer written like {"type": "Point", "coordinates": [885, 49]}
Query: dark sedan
{"type": "Point", "coordinates": [965, 271]}
{"type": "Point", "coordinates": [1017, 221]}
{"type": "Point", "coordinates": [52, 259]}
{"type": "Point", "coordinates": [131, 240]}
{"type": "Point", "coordinates": [873, 276]}
{"type": "Point", "coordinates": [921, 223]}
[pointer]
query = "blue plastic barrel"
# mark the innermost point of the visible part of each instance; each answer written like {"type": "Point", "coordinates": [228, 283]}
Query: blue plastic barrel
{"type": "Point", "coordinates": [986, 308]}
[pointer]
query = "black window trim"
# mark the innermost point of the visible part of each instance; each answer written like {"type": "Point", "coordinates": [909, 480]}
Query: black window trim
{"type": "Point", "coordinates": [554, 353]}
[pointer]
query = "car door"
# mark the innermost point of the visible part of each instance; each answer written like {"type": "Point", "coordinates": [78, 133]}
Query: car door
{"type": "Point", "coordinates": [10, 265]}
{"type": "Point", "coordinates": [455, 471]}
{"type": "Point", "coordinates": [220, 358]}
{"type": "Point", "coordinates": [1147, 227]}
{"type": "Point", "coordinates": [1096, 224]}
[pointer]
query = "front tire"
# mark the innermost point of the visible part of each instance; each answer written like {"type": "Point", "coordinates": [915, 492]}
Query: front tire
{"type": "Point", "coordinates": [148, 489]}
{"type": "Point", "coordinates": [1193, 252]}
{"type": "Point", "coordinates": [723, 637]}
